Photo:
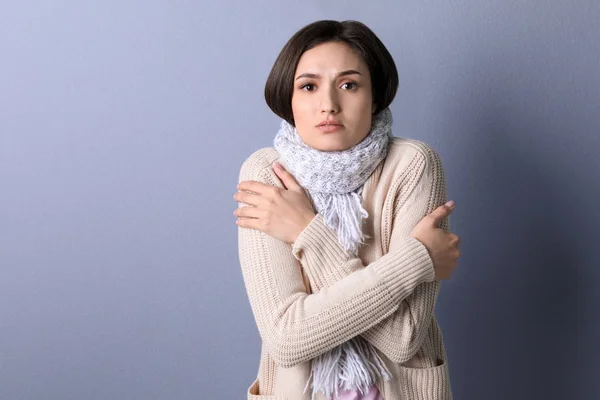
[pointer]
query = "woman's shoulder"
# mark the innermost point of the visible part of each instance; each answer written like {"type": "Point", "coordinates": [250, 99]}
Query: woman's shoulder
{"type": "Point", "coordinates": [258, 161]}
{"type": "Point", "coordinates": [401, 146]}
{"type": "Point", "coordinates": [403, 150]}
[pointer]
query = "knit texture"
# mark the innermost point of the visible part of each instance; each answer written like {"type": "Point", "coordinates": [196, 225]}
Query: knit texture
{"type": "Point", "coordinates": [333, 180]}
{"type": "Point", "coordinates": [315, 295]}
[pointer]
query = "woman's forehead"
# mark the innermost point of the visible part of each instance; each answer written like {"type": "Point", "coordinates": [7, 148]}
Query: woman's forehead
{"type": "Point", "coordinates": [330, 59]}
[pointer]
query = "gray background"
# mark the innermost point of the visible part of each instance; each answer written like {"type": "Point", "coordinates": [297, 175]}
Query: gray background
{"type": "Point", "coordinates": [123, 126]}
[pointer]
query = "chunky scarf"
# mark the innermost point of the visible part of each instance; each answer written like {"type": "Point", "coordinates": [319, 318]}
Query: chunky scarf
{"type": "Point", "coordinates": [334, 181]}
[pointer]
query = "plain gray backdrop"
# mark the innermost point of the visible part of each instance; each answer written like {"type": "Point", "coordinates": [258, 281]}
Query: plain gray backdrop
{"type": "Point", "coordinates": [123, 126]}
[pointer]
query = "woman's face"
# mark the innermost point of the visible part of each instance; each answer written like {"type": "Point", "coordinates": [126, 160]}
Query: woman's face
{"type": "Point", "coordinates": [332, 83]}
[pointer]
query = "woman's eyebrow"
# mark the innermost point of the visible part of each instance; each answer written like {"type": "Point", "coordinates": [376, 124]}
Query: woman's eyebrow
{"type": "Point", "coordinates": [316, 76]}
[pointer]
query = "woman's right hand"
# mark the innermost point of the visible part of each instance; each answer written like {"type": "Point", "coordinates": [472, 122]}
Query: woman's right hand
{"type": "Point", "coordinates": [442, 245]}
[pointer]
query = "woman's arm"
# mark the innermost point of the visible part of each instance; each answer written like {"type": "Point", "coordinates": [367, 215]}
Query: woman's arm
{"type": "Point", "coordinates": [401, 335]}
{"type": "Point", "coordinates": [296, 326]}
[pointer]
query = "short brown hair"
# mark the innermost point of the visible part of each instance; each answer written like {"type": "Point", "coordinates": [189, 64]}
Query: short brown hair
{"type": "Point", "coordinates": [384, 75]}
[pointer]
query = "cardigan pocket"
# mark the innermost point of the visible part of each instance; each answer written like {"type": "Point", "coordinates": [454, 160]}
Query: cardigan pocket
{"type": "Point", "coordinates": [253, 393]}
{"type": "Point", "coordinates": [426, 383]}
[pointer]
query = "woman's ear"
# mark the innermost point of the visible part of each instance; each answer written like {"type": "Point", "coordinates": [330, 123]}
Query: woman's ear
{"type": "Point", "coordinates": [374, 109]}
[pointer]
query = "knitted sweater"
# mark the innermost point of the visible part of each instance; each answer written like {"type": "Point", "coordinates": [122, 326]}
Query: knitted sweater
{"type": "Point", "coordinates": [313, 295]}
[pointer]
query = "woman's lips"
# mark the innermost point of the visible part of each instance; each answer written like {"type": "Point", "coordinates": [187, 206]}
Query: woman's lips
{"type": "Point", "coordinates": [330, 128]}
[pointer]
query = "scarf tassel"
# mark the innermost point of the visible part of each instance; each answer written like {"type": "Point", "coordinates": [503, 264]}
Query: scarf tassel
{"type": "Point", "coordinates": [344, 214]}
{"type": "Point", "coordinates": [351, 365]}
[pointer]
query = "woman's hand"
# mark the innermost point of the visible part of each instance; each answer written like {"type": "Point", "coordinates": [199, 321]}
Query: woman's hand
{"type": "Point", "coordinates": [280, 213]}
{"type": "Point", "coordinates": [442, 245]}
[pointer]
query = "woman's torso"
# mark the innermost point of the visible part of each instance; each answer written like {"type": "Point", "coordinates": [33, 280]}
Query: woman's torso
{"type": "Point", "coordinates": [392, 181]}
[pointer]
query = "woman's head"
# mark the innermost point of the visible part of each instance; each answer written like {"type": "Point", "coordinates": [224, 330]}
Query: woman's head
{"type": "Point", "coordinates": [332, 71]}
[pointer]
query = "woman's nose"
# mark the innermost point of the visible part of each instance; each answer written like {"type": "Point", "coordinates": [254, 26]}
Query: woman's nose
{"type": "Point", "coordinates": [329, 103]}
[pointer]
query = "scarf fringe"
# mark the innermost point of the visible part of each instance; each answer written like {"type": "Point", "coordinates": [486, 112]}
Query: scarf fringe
{"type": "Point", "coordinates": [344, 214]}
{"type": "Point", "coordinates": [352, 365]}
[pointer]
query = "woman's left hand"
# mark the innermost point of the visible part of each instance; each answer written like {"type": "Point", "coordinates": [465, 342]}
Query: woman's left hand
{"type": "Point", "coordinates": [280, 213]}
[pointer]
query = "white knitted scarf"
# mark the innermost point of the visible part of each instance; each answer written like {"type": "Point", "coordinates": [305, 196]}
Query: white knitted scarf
{"type": "Point", "coordinates": [334, 181]}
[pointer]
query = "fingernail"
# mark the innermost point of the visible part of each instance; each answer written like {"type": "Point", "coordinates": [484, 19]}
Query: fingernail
{"type": "Point", "coordinates": [276, 165]}
{"type": "Point", "coordinates": [450, 204]}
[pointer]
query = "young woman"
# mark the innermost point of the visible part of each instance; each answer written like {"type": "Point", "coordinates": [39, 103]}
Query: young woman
{"type": "Point", "coordinates": [343, 230]}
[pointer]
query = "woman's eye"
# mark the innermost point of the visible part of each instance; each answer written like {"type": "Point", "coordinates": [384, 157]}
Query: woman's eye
{"type": "Point", "coordinates": [352, 84]}
{"type": "Point", "coordinates": [307, 87]}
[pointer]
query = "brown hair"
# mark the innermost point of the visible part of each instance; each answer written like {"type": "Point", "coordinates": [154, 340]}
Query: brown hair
{"type": "Point", "coordinates": [384, 75]}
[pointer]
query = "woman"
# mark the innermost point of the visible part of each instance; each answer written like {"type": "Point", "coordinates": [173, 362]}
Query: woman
{"type": "Point", "coordinates": [343, 230]}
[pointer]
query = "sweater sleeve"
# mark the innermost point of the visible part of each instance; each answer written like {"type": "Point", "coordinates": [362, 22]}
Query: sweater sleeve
{"type": "Point", "coordinates": [401, 335]}
{"type": "Point", "coordinates": [297, 326]}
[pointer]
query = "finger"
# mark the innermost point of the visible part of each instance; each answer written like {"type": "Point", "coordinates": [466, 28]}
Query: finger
{"type": "Point", "coordinates": [457, 240]}
{"type": "Point", "coordinates": [441, 212]}
{"type": "Point", "coordinates": [249, 223]}
{"type": "Point", "coordinates": [254, 186]}
{"type": "Point", "coordinates": [248, 198]}
{"type": "Point", "coordinates": [247, 212]}
{"type": "Point", "coordinates": [287, 179]}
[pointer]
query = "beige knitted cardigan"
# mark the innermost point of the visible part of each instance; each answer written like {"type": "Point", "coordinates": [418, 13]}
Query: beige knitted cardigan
{"type": "Point", "coordinates": [313, 295]}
